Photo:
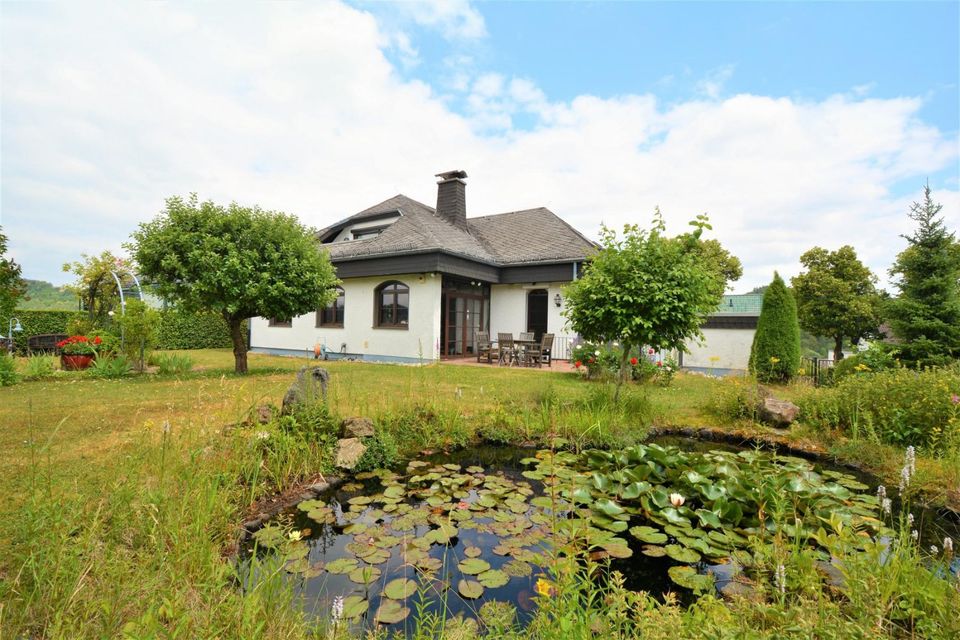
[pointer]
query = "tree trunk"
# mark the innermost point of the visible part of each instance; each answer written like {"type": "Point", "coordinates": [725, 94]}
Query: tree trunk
{"type": "Point", "coordinates": [623, 373]}
{"type": "Point", "coordinates": [239, 344]}
{"type": "Point", "coordinates": [838, 348]}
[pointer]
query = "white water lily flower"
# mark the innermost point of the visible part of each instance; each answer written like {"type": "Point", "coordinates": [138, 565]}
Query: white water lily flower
{"type": "Point", "coordinates": [295, 535]}
{"type": "Point", "coordinates": [676, 499]}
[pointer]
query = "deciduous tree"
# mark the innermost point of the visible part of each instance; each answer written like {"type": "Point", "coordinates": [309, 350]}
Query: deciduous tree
{"type": "Point", "coordinates": [837, 297]}
{"type": "Point", "coordinates": [925, 317]}
{"type": "Point", "coordinates": [238, 261]}
{"type": "Point", "coordinates": [12, 285]}
{"type": "Point", "coordinates": [95, 284]}
{"type": "Point", "coordinates": [645, 289]}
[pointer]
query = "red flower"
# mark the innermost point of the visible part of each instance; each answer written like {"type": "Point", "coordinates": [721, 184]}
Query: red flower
{"type": "Point", "coordinates": [97, 340]}
{"type": "Point", "coordinates": [578, 364]}
{"type": "Point", "coordinates": [590, 360]}
{"type": "Point", "coordinates": [61, 344]}
{"type": "Point", "coordinates": [633, 361]}
{"type": "Point", "coordinates": [659, 363]}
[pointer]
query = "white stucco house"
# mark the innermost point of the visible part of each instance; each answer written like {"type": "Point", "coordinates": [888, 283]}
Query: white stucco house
{"type": "Point", "coordinates": [727, 337]}
{"type": "Point", "coordinates": [419, 282]}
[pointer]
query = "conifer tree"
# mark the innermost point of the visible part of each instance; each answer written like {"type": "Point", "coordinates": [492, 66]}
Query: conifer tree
{"type": "Point", "coordinates": [775, 355]}
{"type": "Point", "coordinates": [925, 317]}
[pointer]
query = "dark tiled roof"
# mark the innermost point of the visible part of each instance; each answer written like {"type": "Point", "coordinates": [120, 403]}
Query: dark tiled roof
{"type": "Point", "coordinates": [519, 237]}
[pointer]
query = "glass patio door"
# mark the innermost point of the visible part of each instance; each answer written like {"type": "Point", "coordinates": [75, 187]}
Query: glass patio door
{"type": "Point", "coordinates": [463, 311]}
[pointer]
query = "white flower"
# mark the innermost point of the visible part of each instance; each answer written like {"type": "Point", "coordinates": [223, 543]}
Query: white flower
{"type": "Point", "coordinates": [881, 492]}
{"type": "Point", "coordinates": [676, 499]}
{"type": "Point", "coordinates": [295, 535]}
{"type": "Point", "coordinates": [885, 505]}
{"type": "Point", "coordinates": [915, 535]}
{"type": "Point", "coordinates": [780, 578]}
{"type": "Point", "coordinates": [597, 352]}
{"type": "Point", "coordinates": [910, 519]}
{"type": "Point", "coordinates": [336, 611]}
{"type": "Point", "coordinates": [948, 545]}
{"type": "Point", "coordinates": [934, 550]}
{"type": "Point", "coordinates": [263, 435]}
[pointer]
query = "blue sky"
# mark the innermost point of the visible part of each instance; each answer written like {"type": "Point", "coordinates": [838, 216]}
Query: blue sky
{"type": "Point", "coordinates": [792, 124]}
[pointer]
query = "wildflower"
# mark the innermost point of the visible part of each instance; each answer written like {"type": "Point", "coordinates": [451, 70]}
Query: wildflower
{"type": "Point", "coordinates": [544, 587]}
{"type": "Point", "coordinates": [881, 492]}
{"type": "Point", "coordinates": [915, 535]}
{"type": "Point", "coordinates": [577, 364]}
{"type": "Point", "coordinates": [954, 398]}
{"type": "Point", "coordinates": [780, 578]}
{"type": "Point", "coordinates": [295, 536]}
{"type": "Point", "coordinates": [910, 519]}
{"type": "Point", "coordinates": [677, 500]}
{"type": "Point", "coordinates": [948, 546]}
{"type": "Point", "coordinates": [263, 435]}
{"type": "Point", "coordinates": [616, 344]}
{"type": "Point", "coordinates": [934, 550]}
{"type": "Point", "coordinates": [336, 611]}
{"type": "Point", "coordinates": [659, 363]}
{"type": "Point", "coordinates": [911, 459]}
{"type": "Point", "coordinates": [633, 362]}
{"type": "Point", "coordinates": [597, 352]}
{"type": "Point", "coordinates": [463, 504]}
{"type": "Point", "coordinates": [885, 505]}
{"type": "Point", "coordinates": [774, 359]}
{"type": "Point", "coordinates": [97, 340]}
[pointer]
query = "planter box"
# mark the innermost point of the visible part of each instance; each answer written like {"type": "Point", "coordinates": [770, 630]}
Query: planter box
{"type": "Point", "coordinates": [75, 362]}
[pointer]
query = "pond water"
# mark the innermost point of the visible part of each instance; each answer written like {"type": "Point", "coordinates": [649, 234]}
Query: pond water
{"type": "Point", "coordinates": [452, 535]}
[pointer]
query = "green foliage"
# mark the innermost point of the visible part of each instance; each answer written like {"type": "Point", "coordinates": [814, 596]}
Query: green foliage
{"type": "Point", "coordinates": [115, 367]}
{"type": "Point", "coordinates": [837, 297]}
{"type": "Point", "coordinates": [899, 406]}
{"type": "Point", "coordinates": [171, 363]}
{"type": "Point", "coordinates": [645, 289]}
{"type": "Point", "coordinates": [12, 285]}
{"type": "Point", "coordinates": [139, 325]}
{"type": "Point", "coordinates": [879, 356]}
{"type": "Point", "coordinates": [8, 370]}
{"type": "Point", "coordinates": [42, 295]}
{"type": "Point", "coordinates": [775, 354]}
{"type": "Point", "coordinates": [240, 262]}
{"type": "Point", "coordinates": [925, 317]}
{"type": "Point", "coordinates": [37, 323]}
{"type": "Point", "coordinates": [382, 452]}
{"type": "Point", "coordinates": [181, 330]}
{"type": "Point", "coordinates": [39, 366]}
{"type": "Point", "coordinates": [96, 286]}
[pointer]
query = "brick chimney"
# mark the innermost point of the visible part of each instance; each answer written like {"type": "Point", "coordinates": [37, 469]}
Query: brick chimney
{"type": "Point", "coordinates": [452, 197]}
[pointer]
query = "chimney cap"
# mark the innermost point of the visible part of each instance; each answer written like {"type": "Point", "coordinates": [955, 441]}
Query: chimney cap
{"type": "Point", "coordinates": [456, 174]}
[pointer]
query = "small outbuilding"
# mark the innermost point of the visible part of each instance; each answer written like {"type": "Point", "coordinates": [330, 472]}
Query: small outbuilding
{"type": "Point", "coordinates": [727, 337]}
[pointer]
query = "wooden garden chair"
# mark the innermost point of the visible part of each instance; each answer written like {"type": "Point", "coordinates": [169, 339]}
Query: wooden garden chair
{"type": "Point", "coordinates": [485, 348]}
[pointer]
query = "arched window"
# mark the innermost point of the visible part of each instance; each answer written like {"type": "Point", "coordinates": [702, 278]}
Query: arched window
{"type": "Point", "coordinates": [332, 314]}
{"type": "Point", "coordinates": [392, 305]}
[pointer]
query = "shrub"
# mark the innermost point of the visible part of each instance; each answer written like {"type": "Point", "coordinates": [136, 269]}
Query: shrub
{"type": "Point", "coordinates": [602, 362]}
{"type": "Point", "coordinates": [8, 370]}
{"type": "Point", "coordinates": [775, 354]}
{"type": "Point", "coordinates": [39, 366]}
{"type": "Point", "coordinates": [382, 452]}
{"type": "Point", "coordinates": [117, 367]}
{"type": "Point", "coordinates": [37, 323]}
{"type": "Point", "coordinates": [179, 330]}
{"type": "Point", "coordinates": [171, 363]}
{"type": "Point", "coordinates": [139, 324]}
{"type": "Point", "coordinates": [898, 406]}
{"type": "Point", "coordinates": [877, 357]}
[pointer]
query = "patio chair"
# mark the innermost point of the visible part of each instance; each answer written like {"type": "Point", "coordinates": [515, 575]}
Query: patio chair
{"type": "Point", "coordinates": [537, 354]}
{"type": "Point", "coordinates": [485, 348]}
{"type": "Point", "coordinates": [508, 350]}
{"type": "Point", "coordinates": [527, 336]}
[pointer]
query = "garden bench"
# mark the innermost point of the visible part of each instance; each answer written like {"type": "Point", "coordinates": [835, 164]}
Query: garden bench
{"type": "Point", "coordinates": [45, 343]}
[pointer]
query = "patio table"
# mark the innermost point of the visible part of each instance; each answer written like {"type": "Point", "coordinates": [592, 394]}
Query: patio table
{"type": "Point", "coordinates": [523, 345]}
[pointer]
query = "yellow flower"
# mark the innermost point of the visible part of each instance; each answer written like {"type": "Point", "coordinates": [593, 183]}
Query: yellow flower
{"type": "Point", "coordinates": [544, 587]}
{"type": "Point", "coordinates": [774, 359]}
{"type": "Point", "coordinates": [295, 535]}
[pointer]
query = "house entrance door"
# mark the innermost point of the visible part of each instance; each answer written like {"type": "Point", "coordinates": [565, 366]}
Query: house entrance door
{"type": "Point", "coordinates": [537, 312]}
{"type": "Point", "coordinates": [463, 309]}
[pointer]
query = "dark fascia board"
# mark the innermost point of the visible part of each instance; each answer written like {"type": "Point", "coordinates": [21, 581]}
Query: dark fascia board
{"type": "Point", "coordinates": [442, 262]}
{"type": "Point", "coordinates": [730, 322]}
{"type": "Point", "coordinates": [324, 234]}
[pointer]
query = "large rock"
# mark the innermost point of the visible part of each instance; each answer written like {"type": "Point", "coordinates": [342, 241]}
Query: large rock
{"type": "Point", "coordinates": [349, 452]}
{"type": "Point", "coordinates": [310, 386]}
{"type": "Point", "coordinates": [779, 413]}
{"type": "Point", "coordinates": [356, 427]}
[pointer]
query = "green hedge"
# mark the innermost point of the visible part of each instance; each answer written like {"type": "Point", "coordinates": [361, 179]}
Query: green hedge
{"type": "Point", "coordinates": [193, 331]}
{"type": "Point", "coordinates": [177, 330]}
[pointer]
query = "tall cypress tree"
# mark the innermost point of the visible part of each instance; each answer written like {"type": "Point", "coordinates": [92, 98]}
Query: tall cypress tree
{"type": "Point", "coordinates": [775, 355]}
{"type": "Point", "coordinates": [925, 317]}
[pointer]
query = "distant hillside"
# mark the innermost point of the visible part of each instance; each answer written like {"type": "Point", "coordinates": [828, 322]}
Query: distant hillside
{"type": "Point", "coordinates": [44, 295]}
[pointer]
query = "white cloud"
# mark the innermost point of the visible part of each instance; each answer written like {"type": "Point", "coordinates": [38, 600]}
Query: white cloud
{"type": "Point", "coordinates": [456, 19]}
{"type": "Point", "coordinates": [295, 107]}
{"type": "Point", "coordinates": [712, 85]}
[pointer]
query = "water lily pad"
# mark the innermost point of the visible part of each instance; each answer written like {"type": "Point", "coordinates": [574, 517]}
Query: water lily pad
{"type": "Point", "coordinates": [682, 554]}
{"type": "Point", "coordinates": [493, 578]}
{"type": "Point", "coordinates": [400, 589]}
{"type": "Point", "coordinates": [648, 534]}
{"type": "Point", "coordinates": [472, 552]}
{"type": "Point", "coordinates": [342, 565]}
{"type": "Point", "coordinates": [470, 589]}
{"type": "Point", "coordinates": [310, 505]}
{"type": "Point", "coordinates": [364, 575]}
{"type": "Point", "coordinates": [360, 500]}
{"type": "Point", "coordinates": [653, 551]}
{"type": "Point", "coordinates": [688, 578]}
{"type": "Point", "coordinates": [354, 607]}
{"type": "Point", "coordinates": [391, 612]}
{"type": "Point", "coordinates": [393, 492]}
{"type": "Point", "coordinates": [473, 566]}
{"type": "Point", "coordinates": [517, 568]}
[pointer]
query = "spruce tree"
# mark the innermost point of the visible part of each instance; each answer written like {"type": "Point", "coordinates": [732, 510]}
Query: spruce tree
{"type": "Point", "coordinates": [775, 355]}
{"type": "Point", "coordinates": [925, 317]}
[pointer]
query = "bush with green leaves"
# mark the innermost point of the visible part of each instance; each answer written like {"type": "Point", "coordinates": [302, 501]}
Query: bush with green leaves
{"type": "Point", "coordinates": [116, 367]}
{"type": "Point", "coordinates": [775, 354]}
{"type": "Point", "coordinates": [171, 363]}
{"type": "Point", "coordinates": [878, 356]}
{"type": "Point", "coordinates": [181, 330]}
{"type": "Point", "coordinates": [8, 370]}
{"type": "Point", "coordinates": [39, 366]}
{"type": "Point", "coordinates": [899, 406]}
{"type": "Point", "coordinates": [382, 452]}
{"type": "Point", "coordinates": [138, 325]}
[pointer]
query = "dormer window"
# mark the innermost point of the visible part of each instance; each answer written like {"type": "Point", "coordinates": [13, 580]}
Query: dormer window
{"type": "Point", "coordinates": [368, 232]}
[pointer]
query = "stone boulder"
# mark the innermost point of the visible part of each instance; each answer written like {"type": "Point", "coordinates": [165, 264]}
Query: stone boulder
{"type": "Point", "coordinates": [349, 452]}
{"type": "Point", "coordinates": [779, 413]}
{"type": "Point", "coordinates": [356, 427]}
{"type": "Point", "coordinates": [310, 386]}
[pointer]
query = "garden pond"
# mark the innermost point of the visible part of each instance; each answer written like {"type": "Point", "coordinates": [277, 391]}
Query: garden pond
{"type": "Point", "coordinates": [471, 534]}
